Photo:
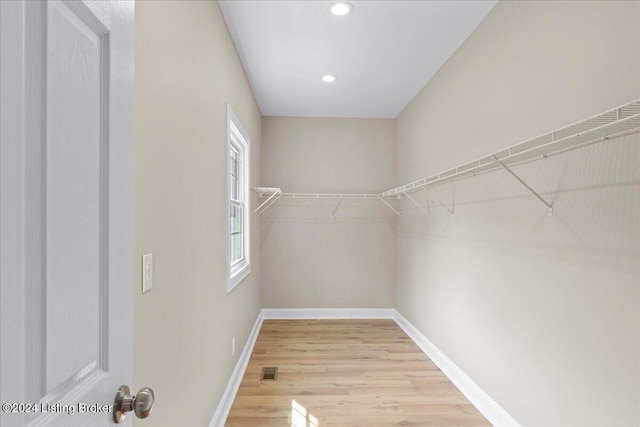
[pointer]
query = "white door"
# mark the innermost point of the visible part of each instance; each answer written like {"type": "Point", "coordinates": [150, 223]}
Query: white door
{"type": "Point", "coordinates": [66, 150]}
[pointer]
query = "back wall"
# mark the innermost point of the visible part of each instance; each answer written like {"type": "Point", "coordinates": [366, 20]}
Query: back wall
{"type": "Point", "coordinates": [310, 259]}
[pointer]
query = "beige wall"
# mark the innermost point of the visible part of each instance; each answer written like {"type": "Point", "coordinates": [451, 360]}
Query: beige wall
{"type": "Point", "coordinates": [309, 259]}
{"type": "Point", "coordinates": [186, 70]}
{"type": "Point", "coordinates": [541, 312]}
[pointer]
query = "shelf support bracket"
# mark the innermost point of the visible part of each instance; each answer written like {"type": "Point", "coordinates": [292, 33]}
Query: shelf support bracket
{"type": "Point", "coordinates": [333, 214]}
{"type": "Point", "coordinates": [390, 207]}
{"type": "Point", "coordinates": [547, 204]}
{"type": "Point", "coordinates": [438, 200]}
{"type": "Point", "coordinates": [267, 203]}
{"type": "Point", "coordinates": [415, 203]}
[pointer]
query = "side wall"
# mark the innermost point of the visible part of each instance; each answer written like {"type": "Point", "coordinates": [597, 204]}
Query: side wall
{"type": "Point", "coordinates": [540, 311]}
{"type": "Point", "coordinates": [186, 70]}
{"type": "Point", "coordinates": [328, 253]}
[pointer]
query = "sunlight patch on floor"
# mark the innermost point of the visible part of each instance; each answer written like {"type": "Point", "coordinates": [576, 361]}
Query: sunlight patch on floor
{"type": "Point", "coordinates": [300, 418]}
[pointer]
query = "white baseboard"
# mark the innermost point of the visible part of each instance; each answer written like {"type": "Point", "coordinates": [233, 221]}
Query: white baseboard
{"type": "Point", "coordinates": [488, 407]}
{"type": "Point", "coordinates": [328, 313]}
{"type": "Point", "coordinates": [226, 401]}
{"type": "Point", "coordinates": [224, 406]}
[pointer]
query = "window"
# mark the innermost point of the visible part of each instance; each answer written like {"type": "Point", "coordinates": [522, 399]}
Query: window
{"type": "Point", "coordinates": [238, 211]}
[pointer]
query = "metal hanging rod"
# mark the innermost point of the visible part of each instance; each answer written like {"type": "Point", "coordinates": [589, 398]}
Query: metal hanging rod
{"type": "Point", "coordinates": [614, 123]}
{"type": "Point", "coordinates": [273, 194]}
{"type": "Point", "coordinates": [328, 196]}
{"type": "Point", "coordinates": [602, 127]}
{"type": "Point", "coordinates": [269, 191]}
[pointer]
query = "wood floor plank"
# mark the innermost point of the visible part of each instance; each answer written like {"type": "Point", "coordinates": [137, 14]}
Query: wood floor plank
{"type": "Point", "coordinates": [346, 373]}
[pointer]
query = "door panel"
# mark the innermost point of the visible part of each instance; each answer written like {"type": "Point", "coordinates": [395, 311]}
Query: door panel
{"type": "Point", "coordinates": [74, 162]}
{"type": "Point", "coordinates": [66, 181]}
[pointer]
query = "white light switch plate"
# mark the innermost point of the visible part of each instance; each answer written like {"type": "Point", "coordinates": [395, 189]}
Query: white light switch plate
{"type": "Point", "coordinates": [147, 272]}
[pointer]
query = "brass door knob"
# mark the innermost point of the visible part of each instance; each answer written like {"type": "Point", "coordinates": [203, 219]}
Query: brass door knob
{"type": "Point", "coordinates": [141, 404]}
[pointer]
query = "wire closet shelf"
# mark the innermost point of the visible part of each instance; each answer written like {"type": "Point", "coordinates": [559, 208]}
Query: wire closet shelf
{"type": "Point", "coordinates": [617, 122]}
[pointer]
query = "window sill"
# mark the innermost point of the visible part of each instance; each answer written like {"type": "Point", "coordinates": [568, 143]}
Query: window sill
{"type": "Point", "coordinates": [238, 276]}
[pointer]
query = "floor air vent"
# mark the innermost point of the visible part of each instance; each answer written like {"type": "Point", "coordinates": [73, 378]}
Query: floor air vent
{"type": "Point", "coordinates": [269, 374]}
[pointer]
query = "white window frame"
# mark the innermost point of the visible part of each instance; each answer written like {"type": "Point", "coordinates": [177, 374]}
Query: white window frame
{"type": "Point", "coordinates": [238, 140]}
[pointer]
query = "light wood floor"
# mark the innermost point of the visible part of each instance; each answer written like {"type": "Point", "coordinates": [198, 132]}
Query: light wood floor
{"type": "Point", "coordinates": [346, 373]}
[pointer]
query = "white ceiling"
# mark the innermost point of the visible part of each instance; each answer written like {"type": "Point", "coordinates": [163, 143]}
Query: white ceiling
{"type": "Point", "coordinates": [382, 54]}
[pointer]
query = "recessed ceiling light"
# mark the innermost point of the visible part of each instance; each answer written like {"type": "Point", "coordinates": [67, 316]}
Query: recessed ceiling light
{"type": "Point", "coordinates": [328, 78]}
{"type": "Point", "coordinates": [341, 8]}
